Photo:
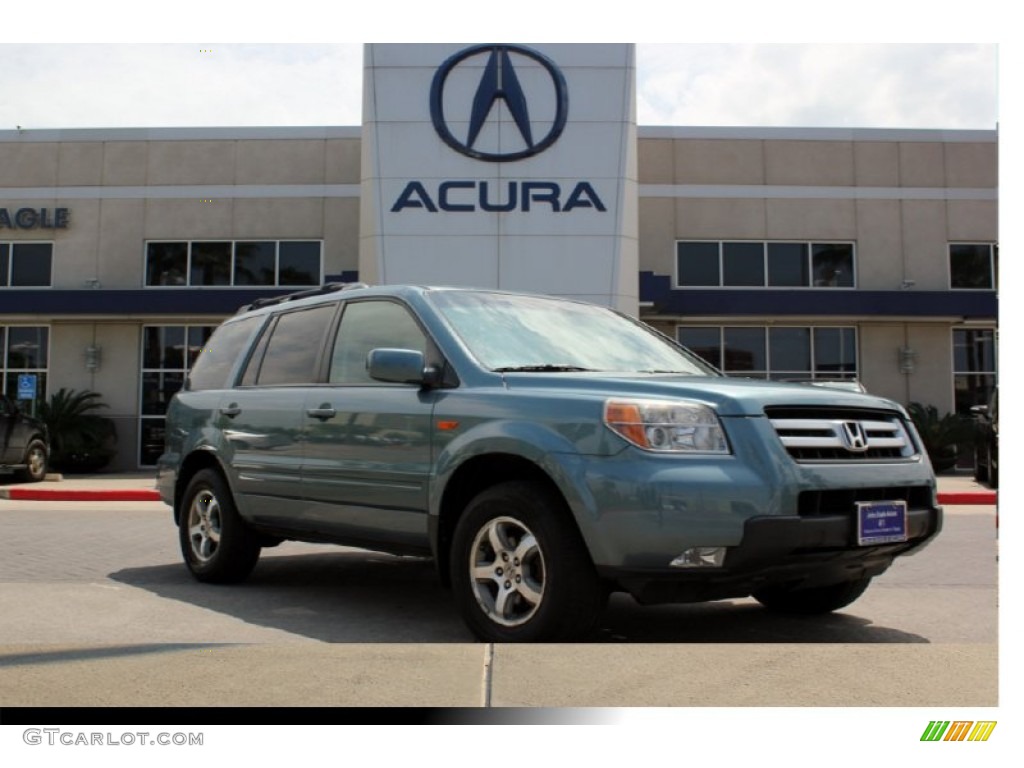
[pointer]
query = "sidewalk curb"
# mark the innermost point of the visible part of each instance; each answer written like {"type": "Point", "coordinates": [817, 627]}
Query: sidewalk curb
{"type": "Point", "coordinates": [33, 494]}
{"type": "Point", "coordinates": [950, 498]}
{"type": "Point", "coordinates": [967, 497]}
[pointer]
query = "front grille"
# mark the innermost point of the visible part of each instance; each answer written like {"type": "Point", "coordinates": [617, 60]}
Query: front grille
{"type": "Point", "coordinates": [815, 435]}
{"type": "Point", "coordinates": [844, 501]}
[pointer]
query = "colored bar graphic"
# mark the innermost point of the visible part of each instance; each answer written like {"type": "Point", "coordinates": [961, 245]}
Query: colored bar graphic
{"type": "Point", "coordinates": [935, 730]}
{"type": "Point", "coordinates": [982, 730]}
{"type": "Point", "coordinates": [960, 730]}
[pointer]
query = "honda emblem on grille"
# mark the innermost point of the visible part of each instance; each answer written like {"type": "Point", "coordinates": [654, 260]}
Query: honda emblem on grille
{"type": "Point", "coordinates": [854, 437]}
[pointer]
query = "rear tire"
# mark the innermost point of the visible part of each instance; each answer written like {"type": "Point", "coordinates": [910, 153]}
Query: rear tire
{"type": "Point", "coordinates": [815, 600]}
{"type": "Point", "coordinates": [520, 570]}
{"type": "Point", "coordinates": [217, 545]}
{"type": "Point", "coordinates": [36, 460]}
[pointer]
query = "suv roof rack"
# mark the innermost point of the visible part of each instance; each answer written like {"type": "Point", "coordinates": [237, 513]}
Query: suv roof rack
{"type": "Point", "coordinates": [325, 288]}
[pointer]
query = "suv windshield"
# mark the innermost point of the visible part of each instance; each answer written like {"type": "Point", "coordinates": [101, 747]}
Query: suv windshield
{"type": "Point", "coordinates": [538, 334]}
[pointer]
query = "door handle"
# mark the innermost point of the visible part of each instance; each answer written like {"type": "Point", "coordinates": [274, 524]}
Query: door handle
{"type": "Point", "coordinates": [231, 411]}
{"type": "Point", "coordinates": [324, 412]}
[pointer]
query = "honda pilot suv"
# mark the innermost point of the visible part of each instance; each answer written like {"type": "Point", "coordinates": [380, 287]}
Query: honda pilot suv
{"type": "Point", "coordinates": [544, 452]}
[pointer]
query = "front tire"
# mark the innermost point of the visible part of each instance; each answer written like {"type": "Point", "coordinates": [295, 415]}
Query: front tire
{"type": "Point", "coordinates": [814, 600]}
{"type": "Point", "coordinates": [520, 570]}
{"type": "Point", "coordinates": [217, 545]}
{"type": "Point", "coordinates": [36, 460]}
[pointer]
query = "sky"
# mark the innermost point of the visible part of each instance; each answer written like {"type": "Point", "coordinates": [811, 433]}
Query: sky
{"type": "Point", "coordinates": [78, 84]}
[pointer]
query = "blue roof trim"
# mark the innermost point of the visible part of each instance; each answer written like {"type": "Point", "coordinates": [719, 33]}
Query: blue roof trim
{"type": "Point", "coordinates": [142, 301]}
{"type": "Point", "coordinates": [658, 291]}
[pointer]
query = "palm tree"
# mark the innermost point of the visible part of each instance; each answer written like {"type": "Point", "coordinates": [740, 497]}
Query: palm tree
{"type": "Point", "coordinates": [79, 438]}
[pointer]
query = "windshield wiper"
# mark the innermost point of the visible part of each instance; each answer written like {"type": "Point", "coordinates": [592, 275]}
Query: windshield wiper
{"type": "Point", "coordinates": [546, 368]}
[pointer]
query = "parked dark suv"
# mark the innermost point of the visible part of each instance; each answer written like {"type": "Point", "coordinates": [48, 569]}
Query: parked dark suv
{"type": "Point", "coordinates": [986, 443]}
{"type": "Point", "coordinates": [545, 452]}
{"type": "Point", "coordinates": [23, 445]}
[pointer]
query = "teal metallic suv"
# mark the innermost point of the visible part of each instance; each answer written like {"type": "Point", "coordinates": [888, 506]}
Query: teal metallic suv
{"type": "Point", "coordinates": [544, 452]}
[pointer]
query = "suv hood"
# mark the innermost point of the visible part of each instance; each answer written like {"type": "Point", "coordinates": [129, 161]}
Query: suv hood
{"type": "Point", "coordinates": [729, 396]}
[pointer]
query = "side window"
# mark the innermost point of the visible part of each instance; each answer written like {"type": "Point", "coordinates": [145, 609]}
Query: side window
{"type": "Point", "coordinates": [368, 325]}
{"type": "Point", "coordinates": [294, 346]}
{"type": "Point", "coordinates": [218, 357]}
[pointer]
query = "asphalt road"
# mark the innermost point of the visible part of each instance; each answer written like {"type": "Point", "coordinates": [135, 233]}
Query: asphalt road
{"type": "Point", "coordinates": [98, 610]}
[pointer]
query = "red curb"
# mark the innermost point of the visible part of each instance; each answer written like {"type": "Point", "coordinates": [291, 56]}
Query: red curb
{"type": "Point", "coordinates": [967, 497]}
{"type": "Point", "coordinates": [33, 494]}
{"type": "Point", "coordinates": [39, 494]}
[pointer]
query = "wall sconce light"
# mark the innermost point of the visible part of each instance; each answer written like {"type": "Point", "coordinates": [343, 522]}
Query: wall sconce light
{"type": "Point", "coordinates": [907, 359]}
{"type": "Point", "coordinates": [93, 357]}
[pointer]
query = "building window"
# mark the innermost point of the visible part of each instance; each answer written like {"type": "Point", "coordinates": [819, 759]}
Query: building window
{"type": "Point", "coordinates": [218, 263]}
{"type": "Point", "coordinates": [168, 353]}
{"type": "Point", "coordinates": [973, 266]}
{"type": "Point", "coordinates": [755, 264]}
{"type": "Point", "coordinates": [775, 352]}
{"type": "Point", "coordinates": [26, 265]}
{"type": "Point", "coordinates": [24, 362]}
{"type": "Point", "coordinates": [974, 367]}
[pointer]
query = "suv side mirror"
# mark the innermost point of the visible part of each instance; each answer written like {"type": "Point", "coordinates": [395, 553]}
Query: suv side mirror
{"type": "Point", "coordinates": [399, 366]}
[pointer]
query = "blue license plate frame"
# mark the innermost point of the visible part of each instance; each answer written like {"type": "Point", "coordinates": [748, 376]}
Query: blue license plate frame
{"type": "Point", "coordinates": [881, 522]}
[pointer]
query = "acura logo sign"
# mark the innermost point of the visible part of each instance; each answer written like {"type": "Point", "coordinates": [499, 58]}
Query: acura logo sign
{"type": "Point", "coordinates": [490, 76]}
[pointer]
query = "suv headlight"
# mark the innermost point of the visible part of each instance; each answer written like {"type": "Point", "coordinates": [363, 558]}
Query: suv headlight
{"type": "Point", "coordinates": [667, 426]}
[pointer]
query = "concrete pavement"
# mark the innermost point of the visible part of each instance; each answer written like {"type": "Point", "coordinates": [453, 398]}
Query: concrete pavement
{"type": "Point", "coordinates": [955, 488]}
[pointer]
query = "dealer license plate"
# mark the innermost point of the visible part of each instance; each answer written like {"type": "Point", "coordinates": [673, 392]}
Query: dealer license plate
{"type": "Point", "coordinates": [881, 522]}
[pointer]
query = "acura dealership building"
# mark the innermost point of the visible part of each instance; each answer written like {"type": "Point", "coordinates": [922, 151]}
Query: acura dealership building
{"type": "Point", "coordinates": [786, 253]}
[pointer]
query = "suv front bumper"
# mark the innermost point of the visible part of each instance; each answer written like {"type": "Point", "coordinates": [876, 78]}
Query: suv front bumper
{"type": "Point", "coordinates": [791, 550]}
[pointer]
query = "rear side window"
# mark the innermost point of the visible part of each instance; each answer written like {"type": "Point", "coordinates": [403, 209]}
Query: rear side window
{"type": "Point", "coordinates": [369, 325]}
{"type": "Point", "coordinates": [217, 359]}
{"type": "Point", "coordinates": [294, 347]}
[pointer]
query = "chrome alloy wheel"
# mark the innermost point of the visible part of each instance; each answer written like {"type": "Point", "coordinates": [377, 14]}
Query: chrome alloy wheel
{"type": "Point", "coordinates": [204, 525]}
{"type": "Point", "coordinates": [507, 571]}
{"type": "Point", "coordinates": [37, 462]}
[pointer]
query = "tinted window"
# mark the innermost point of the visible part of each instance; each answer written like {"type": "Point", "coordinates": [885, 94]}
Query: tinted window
{"type": "Point", "coordinates": [299, 264]}
{"type": "Point", "coordinates": [31, 264]}
{"type": "Point", "coordinates": [790, 349]}
{"type": "Point", "coordinates": [743, 263]}
{"type": "Point", "coordinates": [970, 266]}
{"type": "Point", "coordinates": [706, 342]}
{"type": "Point", "coordinates": [368, 325]}
{"type": "Point", "coordinates": [166, 263]}
{"type": "Point", "coordinates": [294, 346]}
{"type": "Point", "coordinates": [697, 263]}
{"type": "Point", "coordinates": [787, 264]}
{"type": "Point", "coordinates": [254, 263]}
{"type": "Point", "coordinates": [833, 265]}
{"type": "Point", "coordinates": [27, 347]}
{"type": "Point", "coordinates": [211, 264]}
{"type": "Point", "coordinates": [744, 349]}
{"type": "Point", "coordinates": [220, 352]}
{"type": "Point", "coordinates": [835, 350]}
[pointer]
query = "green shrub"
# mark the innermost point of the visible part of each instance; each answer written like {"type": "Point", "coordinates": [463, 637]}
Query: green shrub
{"type": "Point", "coordinates": [942, 435]}
{"type": "Point", "coordinates": [80, 440]}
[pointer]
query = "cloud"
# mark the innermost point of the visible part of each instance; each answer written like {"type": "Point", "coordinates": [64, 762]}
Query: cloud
{"type": "Point", "coordinates": [840, 85]}
{"type": "Point", "coordinates": [68, 86]}
{"type": "Point", "coordinates": [892, 86]}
